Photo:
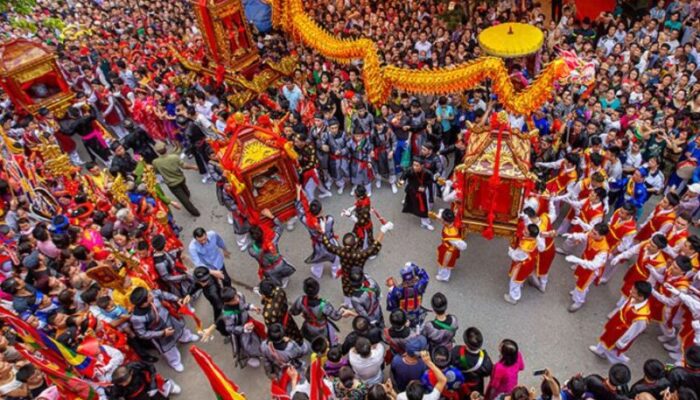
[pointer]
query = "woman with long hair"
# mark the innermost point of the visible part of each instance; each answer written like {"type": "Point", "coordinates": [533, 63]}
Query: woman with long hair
{"type": "Point", "coordinates": [504, 376]}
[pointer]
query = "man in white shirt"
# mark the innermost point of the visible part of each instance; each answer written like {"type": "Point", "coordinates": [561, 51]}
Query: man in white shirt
{"type": "Point", "coordinates": [608, 41]}
{"type": "Point", "coordinates": [367, 361]}
{"type": "Point", "coordinates": [634, 158]}
{"type": "Point", "coordinates": [423, 44]}
{"type": "Point", "coordinates": [655, 178]}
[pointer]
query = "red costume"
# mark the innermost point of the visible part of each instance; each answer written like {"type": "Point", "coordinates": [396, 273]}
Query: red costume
{"type": "Point", "coordinates": [585, 276]}
{"type": "Point", "coordinates": [676, 238]}
{"type": "Point", "coordinates": [619, 229]}
{"type": "Point", "coordinates": [589, 212]}
{"type": "Point", "coordinates": [659, 218]}
{"type": "Point", "coordinates": [638, 271]}
{"type": "Point", "coordinates": [520, 270]}
{"type": "Point", "coordinates": [546, 257]}
{"type": "Point", "coordinates": [564, 178]}
{"type": "Point", "coordinates": [658, 309]}
{"type": "Point", "coordinates": [447, 252]}
{"type": "Point", "coordinates": [619, 324]}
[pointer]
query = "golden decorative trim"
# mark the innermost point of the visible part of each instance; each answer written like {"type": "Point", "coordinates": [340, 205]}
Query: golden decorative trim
{"type": "Point", "coordinates": [289, 15]}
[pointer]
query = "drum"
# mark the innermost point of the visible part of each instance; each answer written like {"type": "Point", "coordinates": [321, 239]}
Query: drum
{"type": "Point", "coordinates": [685, 169]}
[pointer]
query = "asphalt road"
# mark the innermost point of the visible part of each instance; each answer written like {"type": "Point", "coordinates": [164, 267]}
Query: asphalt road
{"type": "Point", "coordinates": [548, 335]}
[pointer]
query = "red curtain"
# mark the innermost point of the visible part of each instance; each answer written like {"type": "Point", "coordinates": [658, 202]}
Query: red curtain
{"type": "Point", "coordinates": [592, 9]}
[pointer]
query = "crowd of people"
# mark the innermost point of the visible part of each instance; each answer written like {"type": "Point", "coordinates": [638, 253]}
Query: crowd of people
{"type": "Point", "coordinates": [617, 162]}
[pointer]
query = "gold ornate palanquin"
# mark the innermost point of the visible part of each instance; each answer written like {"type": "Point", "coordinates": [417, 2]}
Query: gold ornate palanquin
{"type": "Point", "coordinates": [260, 166]}
{"type": "Point", "coordinates": [232, 54]}
{"type": "Point", "coordinates": [225, 30]}
{"type": "Point", "coordinates": [31, 76]}
{"type": "Point", "coordinates": [480, 195]}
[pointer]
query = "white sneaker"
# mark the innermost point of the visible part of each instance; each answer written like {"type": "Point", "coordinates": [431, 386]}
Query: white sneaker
{"type": "Point", "coordinates": [178, 367]}
{"type": "Point", "coordinates": [594, 350]}
{"type": "Point", "coordinates": [291, 224]}
{"type": "Point", "coordinates": [194, 339]}
{"type": "Point", "coordinates": [428, 227]}
{"type": "Point", "coordinates": [378, 184]}
{"type": "Point", "coordinates": [509, 299]}
{"type": "Point", "coordinates": [229, 218]}
{"type": "Point", "coordinates": [256, 290]}
{"type": "Point", "coordinates": [174, 387]}
{"type": "Point", "coordinates": [574, 307]}
{"type": "Point", "coordinates": [253, 362]}
{"type": "Point", "coordinates": [664, 338]}
{"type": "Point", "coordinates": [325, 194]}
{"type": "Point", "coordinates": [341, 189]}
{"type": "Point", "coordinates": [394, 189]}
{"type": "Point", "coordinates": [183, 155]}
{"type": "Point", "coordinates": [205, 179]}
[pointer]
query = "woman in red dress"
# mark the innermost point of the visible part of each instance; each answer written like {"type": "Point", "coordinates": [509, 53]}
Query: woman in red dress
{"type": "Point", "coordinates": [144, 112]}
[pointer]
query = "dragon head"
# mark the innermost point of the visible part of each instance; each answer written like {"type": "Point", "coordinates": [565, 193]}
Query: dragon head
{"type": "Point", "coordinates": [580, 71]}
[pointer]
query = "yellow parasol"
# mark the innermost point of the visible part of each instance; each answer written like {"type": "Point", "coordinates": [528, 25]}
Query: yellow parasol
{"type": "Point", "coordinates": [511, 40]}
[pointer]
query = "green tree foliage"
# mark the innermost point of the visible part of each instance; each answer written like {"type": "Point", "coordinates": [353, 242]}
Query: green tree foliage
{"type": "Point", "coordinates": [18, 6]}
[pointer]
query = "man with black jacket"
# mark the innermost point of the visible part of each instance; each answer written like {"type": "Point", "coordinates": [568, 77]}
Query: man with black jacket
{"type": "Point", "coordinates": [472, 360]}
{"type": "Point", "coordinates": [137, 381]}
{"type": "Point", "coordinates": [122, 162]}
{"type": "Point", "coordinates": [689, 375]}
{"type": "Point", "coordinates": [654, 381]}
{"type": "Point", "coordinates": [614, 387]}
{"type": "Point", "coordinates": [75, 123]}
{"type": "Point", "coordinates": [139, 142]}
{"type": "Point", "coordinates": [211, 288]}
{"type": "Point", "coordinates": [198, 145]}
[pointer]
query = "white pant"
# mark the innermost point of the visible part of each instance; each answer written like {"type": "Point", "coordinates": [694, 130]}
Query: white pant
{"type": "Point", "coordinates": [515, 290]}
{"type": "Point", "coordinates": [242, 241]}
{"type": "Point", "coordinates": [579, 296]}
{"type": "Point", "coordinates": [317, 268]}
{"type": "Point", "coordinates": [444, 273]}
{"type": "Point", "coordinates": [613, 356]}
{"type": "Point", "coordinates": [609, 270]}
{"type": "Point", "coordinates": [172, 356]}
{"type": "Point", "coordinates": [564, 227]}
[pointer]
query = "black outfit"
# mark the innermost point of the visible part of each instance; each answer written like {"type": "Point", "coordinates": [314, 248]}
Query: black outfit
{"type": "Point", "coordinates": [595, 384]}
{"type": "Point", "coordinates": [654, 388]}
{"type": "Point", "coordinates": [182, 193]}
{"type": "Point", "coordinates": [82, 126]}
{"type": "Point", "coordinates": [143, 380]}
{"type": "Point", "coordinates": [474, 366]}
{"type": "Point", "coordinates": [418, 193]}
{"type": "Point", "coordinates": [198, 145]}
{"type": "Point", "coordinates": [124, 164]}
{"type": "Point", "coordinates": [684, 377]}
{"type": "Point", "coordinates": [374, 335]}
{"type": "Point", "coordinates": [139, 141]}
{"type": "Point", "coordinates": [211, 289]}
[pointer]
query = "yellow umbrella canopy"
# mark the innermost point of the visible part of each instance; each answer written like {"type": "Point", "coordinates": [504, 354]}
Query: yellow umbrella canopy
{"type": "Point", "coordinates": [511, 40]}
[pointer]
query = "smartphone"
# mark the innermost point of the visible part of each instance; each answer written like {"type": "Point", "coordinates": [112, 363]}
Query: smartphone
{"type": "Point", "coordinates": [539, 372]}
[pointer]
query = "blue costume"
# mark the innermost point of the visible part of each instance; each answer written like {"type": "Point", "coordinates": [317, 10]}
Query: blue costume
{"type": "Point", "coordinates": [455, 380]}
{"type": "Point", "coordinates": [633, 193]}
{"type": "Point", "coordinates": [409, 295]}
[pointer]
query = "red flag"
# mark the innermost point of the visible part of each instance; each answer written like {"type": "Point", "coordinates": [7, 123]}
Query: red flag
{"type": "Point", "coordinates": [223, 387]}
{"type": "Point", "coordinates": [185, 310]}
{"type": "Point", "coordinates": [70, 387]}
{"type": "Point", "coordinates": [49, 347]}
{"type": "Point", "coordinates": [319, 390]}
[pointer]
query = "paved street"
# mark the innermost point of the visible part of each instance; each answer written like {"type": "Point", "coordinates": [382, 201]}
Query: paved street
{"type": "Point", "coordinates": [549, 336]}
